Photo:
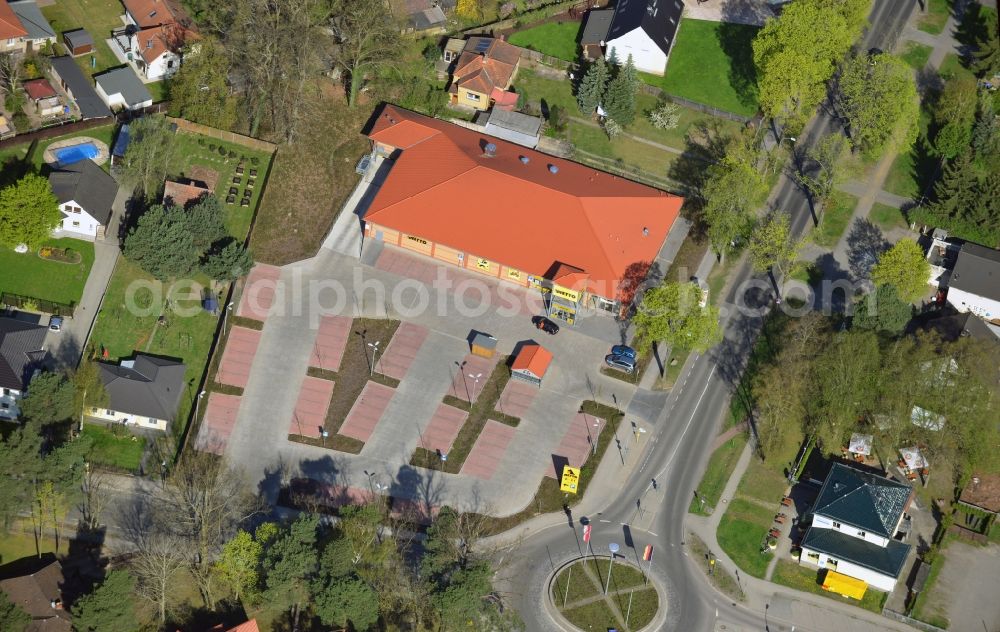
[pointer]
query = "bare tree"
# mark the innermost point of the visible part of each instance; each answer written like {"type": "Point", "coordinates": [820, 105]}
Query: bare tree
{"type": "Point", "coordinates": [10, 73]}
{"type": "Point", "coordinates": [94, 498]}
{"type": "Point", "coordinates": [155, 564]}
{"type": "Point", "coordinates": [366, 37]}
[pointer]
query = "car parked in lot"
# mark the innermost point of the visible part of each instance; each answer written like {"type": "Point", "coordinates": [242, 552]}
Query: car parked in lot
{"type": "Point", "coordinates": [545, 325]}
{"type": "Point", "coordinates": [55, 323]}
{"type": "Point", "coordinates": [621, 363]}
{"type": "Point", "coordinates": [624, 351]}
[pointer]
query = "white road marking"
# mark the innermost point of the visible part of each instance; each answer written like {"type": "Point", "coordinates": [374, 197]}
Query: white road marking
{"type": "Point", "coordinates": [680, 441]}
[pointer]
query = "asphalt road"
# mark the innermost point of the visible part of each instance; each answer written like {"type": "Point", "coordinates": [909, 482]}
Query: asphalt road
{"type": "Point", "coordinates": [682, 438]}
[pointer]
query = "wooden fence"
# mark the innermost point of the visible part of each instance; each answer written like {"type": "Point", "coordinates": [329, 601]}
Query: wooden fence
{"type": "Point", "coordinates": [694, 105]}
{"type": "Point", "coordinates": [539, 58]}
{"type": "Point", "coordinates": [229, 137]}
{"type": "Point", "coordinates": [56, 130]}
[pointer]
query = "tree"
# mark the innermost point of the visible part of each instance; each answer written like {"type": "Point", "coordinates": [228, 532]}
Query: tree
{"type": "Point", "coordinates": [965, 204]}
{"type": "Point", "coordinates": [155, 564]}
{"type": "Point", "coordinates": [591, 90]}
{"type": "Point", "coordinates": [671, 313]}
{"type": "Point", "coordinates": [878, 96]}
{"type": "Point", "coordinates": [619, 99]}
{"type": "Point", "coordinates": [666, 115]}
{"type": "Point", "coordinates": [12, 617]}
{"type": "Point", "coordinates": [557, 118]}
{"type": "Point", "coordinates": [206, 222]}
{"type": "Point", "coordinates": [107, 607]}
{"type": "Point", "coordinates": [199, 90]}
{"type": "Point", "coordinates": [347, 602]}
{"type": "Point", "coordinates": [49, 398]}
{"type": "Point", "coordinates": [463, 599]}
{"type": "Point", "coordinates": [955, 114]}
{"type": "Point", "coordinates": [821, 171]}
{"type": "Point", "coordinates": [291, 562]}
{"type": "Point", "coordinates": [227, 263]}
{"type": "Point", "coordinates": [367, 38]}
{"type": "Point", "coordinates": [239, 563]}
{"type": "Point", "coordinates": [883, 311]}
{"type": "Point", "coordinates": [28, 212]}
{"type": "Point", "coordinates": [469, 9]}
{"type": "Point", "coordinates": [733, 191]}
{"type": "Point", "coordinates": [150, 151]}
{"type": "Point", "coordinates": [611, 128]}
{"type": "Point", "coordinates": [10, 75]}
{"type": "Point", "coordinates": [21, 464]}
{"type": "Point", "coordinates": [846, 383]}
{"type": "Point", "coordinates": [161, 243]}
{"type": "Point", "coordinates": [986, 58]}
{"type": "Point", "coordinates": [986, 131]}
{"type": "Point", "coordinates": [772, 244]}
{"type": "Point", "coordinates": [88, 388]}
{"type": "Point", "coordinates": [904, 267]}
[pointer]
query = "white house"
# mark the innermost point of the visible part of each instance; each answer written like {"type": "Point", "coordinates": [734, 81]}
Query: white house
{"type": "Point", "coordinates": [39, 31]}
{"type": "Point", "coordinates": [120, 88]}
{"type": "Point", "coordinates": [941, 254]}
{"type": "Point", "coordinates": [854, 524]}
{"type": "Point", "coordinates": [86, 194]}
{"type": "Point", "coordinates": [155, 32]}
{"type": "Point", "coordinates": [974, 285]}
{"type": "Point", "coordinates": [646, 30]}
{"type": "Point", "coordinates": [145, 392]}
{"type": "Point", "coordinates": [21, 353]}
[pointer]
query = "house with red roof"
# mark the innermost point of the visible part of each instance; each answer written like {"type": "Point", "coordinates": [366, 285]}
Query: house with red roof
{"type": "Point", "coordinates": [12, 31]}
{"type": "Point", "coordinates": [154, 36]}
{"type": "Point", "coordinates": [483, 74]}
{"type": "Point", "coordinates": [583, 238]}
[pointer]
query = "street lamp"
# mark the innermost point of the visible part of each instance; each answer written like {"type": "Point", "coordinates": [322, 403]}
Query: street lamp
{"type": "Point", "coordinates": [374, 346]}
{"type": "Point", "coordinates": [324, 434]}
{"type": "Point", "coordinates": [370, 476]}
{"type": "Point", "coordinates": [613, 547]}
{"type": "Point", "coordinates": [225, 315]}
{"type": "Point", "coordinates": [197, 402]}
{"type": "Point", "coordinates": [475, 384]}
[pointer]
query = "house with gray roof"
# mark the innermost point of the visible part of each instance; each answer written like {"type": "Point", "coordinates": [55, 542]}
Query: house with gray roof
{"type": "Point", "coordinates": [77, 87]}
{"type": "Point", "coordinates": [21, 353]}
{"type": "Point", "coordinates": [974, 285]}
{"type": "Point", "coordinates": [86, 194]}
{"type": "Point", "coordinates": [855, 522]}
{"type": "Point", "coordinates": [145, 391]}
{"type": "Point", "coordinates": [39, 30]}
{"type": "Point", "coordinates": [595, 32]}
{"type": "Point", "coordinates": [646, 31]}
{"type": "Point", "coordinates": [121, 88]}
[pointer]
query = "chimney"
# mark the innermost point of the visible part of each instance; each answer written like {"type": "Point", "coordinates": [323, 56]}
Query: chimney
{"type": "Point", "coordinates": [490, 150]}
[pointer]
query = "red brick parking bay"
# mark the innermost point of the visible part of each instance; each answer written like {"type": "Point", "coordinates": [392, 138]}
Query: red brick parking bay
{"type": "Point", "coordinates": [259, 292]}
{"type": "Point", "coordinates": [516, 398]}
{"type": "Point", "coordinates": [577, 443]}
{"type": "Point", "coordinates": [331, 339]}
{"type": "Point", "coordinates": [367, 411]}
{"type": "Point", "coordinates": [462, 385]}
{"type": "Point", "coordinates": [443, 428]}
{"type": "Point", "coordinates": [398, 356]}
{"type": "Point", "coordinates": [218, 422]}
{"type": "Point", "coordinates": [234, 370]}
{"type": "Point", "coordinates": [310, 408]}
{"type": "Point", "coordinates": [485, 456]}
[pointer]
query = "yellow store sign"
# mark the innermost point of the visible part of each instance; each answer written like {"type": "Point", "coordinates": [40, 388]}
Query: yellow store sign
{"type": "Point", "coordinates": [566, 294]}
{"type": "Point", "coordinates": [570, 479]}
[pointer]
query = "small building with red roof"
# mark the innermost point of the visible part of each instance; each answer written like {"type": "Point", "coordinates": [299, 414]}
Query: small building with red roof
{"type": "Point", "coordinates": [531, 363]}
{"type": "Point", "coordinates": [43, 97]}
{"type": "Point", "coordinates": [483, 74]}
{"type": "Point", "coordinates": [583, 238]}
{"type": "Point", "coordinates": [184, 191]}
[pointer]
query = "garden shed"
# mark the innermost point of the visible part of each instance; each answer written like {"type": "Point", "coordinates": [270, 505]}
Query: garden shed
{"type": "Point", "coordinates": [531, 363]}
{"type": "Point", "coordinates": [78, 42]}
{"type": "Point", "coordinates": [483, 345]}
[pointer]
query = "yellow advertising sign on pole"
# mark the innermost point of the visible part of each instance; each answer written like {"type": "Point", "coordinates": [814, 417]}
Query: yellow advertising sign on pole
{"type": "Point", "coordinates": [570, 479]}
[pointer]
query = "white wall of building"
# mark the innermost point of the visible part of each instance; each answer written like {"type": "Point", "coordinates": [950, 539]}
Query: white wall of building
{"type": "Point", "coordinates": [963, 301]}
{"type": "Point", "coordinates": [166, 65]}
{"type": "Point", "coordinates": [824, 522]}
{"type": "Point", "coordinates": [873, 578]}
{"type": "Point", "coordinates": [77, 222]}
{"type": "Point", "coordinates": [8, 403]}
{"type": "Point", "coordinates": [115, 416]}
{"type": "Point", "coordinates": [646, 55]}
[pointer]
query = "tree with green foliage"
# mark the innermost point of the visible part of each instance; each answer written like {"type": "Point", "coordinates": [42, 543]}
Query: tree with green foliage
{"type": "Point", "coordinates": [883, 311]}
{"type": "Point", "coordinates": [772, 245]}
{"type": "Point", "coordinates": [954, 115]}
{"type": "Point", "coordinates": [109, 606]}
{"type": "Point", "coordinates": [151, 150]}
{"type": "Point", "coordinates": [557, 118]}
{"type": "Point", "coordinates": [671, 313]}
{"type": "Point", "coordinates": [666, 115]}
{"type": "Point", "coordinates": [986, 130]}
{"type": "Point", "coordinates": [611, 128]}
{"type": "Point", "coordinates": [206, 220]}
{"type": "Point", "coordinates": [347, 602]}
{"type": "Point", "coordinates": [88, 388]}
{"type": "Point", "coordinates": [619, 98]}
{"type": "Point", "coordinates": [964, 203]}
{"type": "Point", "coordinates": [878, 96]}
{"type": "Point", "coordinates": [199, 91]}
{"type": "Point", "coordinates": [821, 171]}
{"type": "Point", "coordinates": [12, 617]}
{"type": "Point", "coordinates": [733, 191]}
{"type": "Point", "coordinates": [49, 399]}
{"type": "Point", "coordinates": [239, 563]}
{"type": "Point", "coordinates": [986, 58]}
{"type": "Point", "coordinates": [592, 87]}
{"type": "Point", "coordinates": [227, 262]}
{"type": "Point", "coordinates": [29, 212]}
{"type": "Point", "coordinates": [161, 243]}
{"type": "Point", "coordinates": [290, 563]}
{"type": "Point", "coordinates": [904, 267]}
{"type": "Point", "coordinates": [845, 385]}
{"type": "Point", "coordinates": [461, 602]}
{"type": "Point", "coordinates": [21, 465]}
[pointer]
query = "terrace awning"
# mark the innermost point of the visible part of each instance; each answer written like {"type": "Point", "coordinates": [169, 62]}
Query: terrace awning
{"type": "Point", "coordinates": [844, 585]}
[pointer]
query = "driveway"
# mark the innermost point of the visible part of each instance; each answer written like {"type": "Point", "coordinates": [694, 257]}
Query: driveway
{"type": "Point", "coordinates": [966, 588]}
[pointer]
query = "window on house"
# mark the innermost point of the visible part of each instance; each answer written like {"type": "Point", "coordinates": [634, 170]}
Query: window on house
{"type": "Point", "coordinates": [472, 96]}
{"type": "Point", "coordinates": [6, 392]}
{"type": "Point", "coordinates": [813, 556]}
{"type": "Point", "coordinates": [5, 406]}
{"type": "Point", "coordinates": [861, 534]}
{"type": "Point", "coordinates": [836, 525]}
{"type": "Point", "coordinates": [109, 412]}
{"type": "Point", "coordinates": [76, 224]}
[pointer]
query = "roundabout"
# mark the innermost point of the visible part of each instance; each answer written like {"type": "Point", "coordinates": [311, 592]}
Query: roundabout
{"type": "Point", "coordinates": [598, 593]}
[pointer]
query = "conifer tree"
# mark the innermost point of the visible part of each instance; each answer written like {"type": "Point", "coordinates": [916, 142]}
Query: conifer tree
{"type": "Point", "coordinates": [592, 87]}
{"type": "Point", "coordinates": [619, 101]}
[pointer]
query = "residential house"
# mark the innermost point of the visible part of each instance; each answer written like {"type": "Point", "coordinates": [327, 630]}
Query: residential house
{"type": "Point", "coordinates": [951, 326]}
{"type": "Point", "coordinates": [854, 525]}
{"type": "Point", "coordinates": [78, 42]}
{"type": "Point", "coordinates": [77, 87]}
{"type": "Point", "coordinates": [154, 34]}
{"type": "Point", "coordinates": [43, 97]}
{"type": "Point", "coordinates": [982, 494]}
{"type": "Point", "coordinates": [941, 254]}
{"type": "Point", "coordinates": [39, 31]}
{"type": "Point", "coordinates": [120, 88]}
{"type": "Point", "coordinates": [145, 391]}
{"type": "Point", "coordinates": [581, 237]}
{"type": "Point", "coordinates": [974, 285]}
{"type": "Point", "coordinates": [21, 354]}
{"type": "Point", "coordinates": [12, 32]}
{"type": "Point", "coordinates": [86, 195]}
{"type": "Point", "coordinates": [184, 191]}
{"type": "Point", "coordinates": [422, 16]}
{"type": "Point", "coordinates": [514, 127]}
{"type": "Point", "coordinates": [484, 73]}
{"type": "Point", "coordinates": [595, 32]}
{"type": "Point", "coordinates": [39, 594]}
{"type": "Point", "coordinates": [646, 30]}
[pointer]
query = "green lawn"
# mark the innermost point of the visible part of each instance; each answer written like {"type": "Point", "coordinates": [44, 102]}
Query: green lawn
{"type": "Point", "coordinates": [913, 168]}
{"type": "Point", "coordinates": [765, 482]}
{"type": "Point", "coordinates": [937, 15]}
{"type": "Point", "coordinates": [887, 217]}
{"type": "Point", "coordinates": [806, 579]}
{"type": "Point", "coordinates": [952, 66]}
{"type": "Point", "coordinates": [836, 215]}
{"type": "Point", "coordinates": [556, 39]}
{"type": "Point", "coordinates": [99, 17]}
{"type": "Point", "coordinates": [720, 468]}
{"type": "Point", "coordinates": [30, 275]}
{"type": "Point", "coordinates": [160, 90]}
{"type": "Point", "coordinates": [741, 534]}
{"type": "Point", "coordinates": [632, 153]}
{"type": "Point", "coordinates": [712, 63]}
{"type": "Point", "coordinates": [16, 545]}
{"type": "Point", "coordinates": [118, 449]}
{"type": "Point", "coordinates": [916, 55]}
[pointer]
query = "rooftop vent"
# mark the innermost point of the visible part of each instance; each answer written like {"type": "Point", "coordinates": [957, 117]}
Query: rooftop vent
{"type": "Point", "coordinates": [553, 169]}
{"type": "Point", "coordinates": [645, 231]}
{"type": "Point", "coordinates": [490, 150]}
{"type": "Point", "coordinates": [525, 160]}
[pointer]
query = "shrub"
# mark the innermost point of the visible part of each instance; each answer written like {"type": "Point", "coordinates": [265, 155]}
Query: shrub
{"type": "Point", "coordinates": [21, 122]}
{"type": "Point", "coordinates": [254, 160]}
{"type": "Point", "coordinates": [612, 128]}
{"type": "Point", "coordinates": [232, 154]}
{"type": "Point", "coordinates": [211, 147]}
{"type": "Point", "coordinates": [201, 141]}
{"type": "Point", "coordinates": [222, 151]}
{"type": "Point", "coordinates": [665, 115]}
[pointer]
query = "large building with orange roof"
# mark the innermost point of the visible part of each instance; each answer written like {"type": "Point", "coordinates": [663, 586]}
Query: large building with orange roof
{"type": "Point", "coordinates": [582, 237]}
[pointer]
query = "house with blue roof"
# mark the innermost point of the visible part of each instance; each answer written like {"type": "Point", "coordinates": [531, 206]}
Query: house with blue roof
{"type": "Point", "coordinates": [855, 523]}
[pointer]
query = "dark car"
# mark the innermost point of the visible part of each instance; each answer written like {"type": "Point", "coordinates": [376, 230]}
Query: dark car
{"type": "Point", "coordinates": [619, 362]}
{"type": "Point", "coordinates": [545, 325]}
{"type": "Point", "coordinates": [624, 351]}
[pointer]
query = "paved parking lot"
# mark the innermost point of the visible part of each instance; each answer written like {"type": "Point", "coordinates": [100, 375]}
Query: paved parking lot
{"type": "Point", "coordinates": [310, 409]}
{"type": "Point", "coordinates": [237, 359]}
{"type": "Point", "coordinates": [258, 292]}
{"type": "Point", "coordinates": [399, 355]}
{"type": "Point", "coordinates": [367, 411]}
{"type": "Point", "coordinates": [516, 398]}
{"type": "Point", "coordinates": [331, 340]}
{"type": "Point", "coordinates": [443, 428]}
{"type": "Point", "coordinates": [218, 422]}
{"type": "Point", "coordinates": [484, 458]}
{"type": "Point", "coordinates": [578, 442]}
{"type": "Point", "coordinates": [462, 385]}
{"type": "Point", "coordinates": [966, 588]}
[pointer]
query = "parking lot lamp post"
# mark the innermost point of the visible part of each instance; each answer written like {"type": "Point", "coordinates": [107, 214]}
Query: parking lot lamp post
{"type": "Point", "coordinates": [225, 316]}
{"type": "Point", "coordinates": [613, 548]}
{"type": "Point", "coordinates": [374, 346]}
{"type": "Point", "coordinates": [475, 385]}
{"type": "Point", "coordinates": [197, 403]}
{"type": "Point", "coordinates": [371, 485]}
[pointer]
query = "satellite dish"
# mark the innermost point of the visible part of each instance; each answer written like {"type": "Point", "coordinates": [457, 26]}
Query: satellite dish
{"type": "Point", "coordinates": [131, 29]}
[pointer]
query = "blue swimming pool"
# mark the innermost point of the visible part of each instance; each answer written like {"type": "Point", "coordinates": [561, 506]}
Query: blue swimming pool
{"type": "Point", "coordinates": [76, 153]}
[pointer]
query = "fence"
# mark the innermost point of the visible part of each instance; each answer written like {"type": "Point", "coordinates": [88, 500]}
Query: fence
{"type": "Point", "coordinates": [694, 105]}
{"type": "Point", "coordinates": [535, 56]}
{"type": "Point", "coordinates": [55, 130]}
{"type": "Point", "coordinates": [902, 618]}
{"type": "Point", "coordinates": [229, 137]}
{"type": "Point", "coordinates": [32, 304]}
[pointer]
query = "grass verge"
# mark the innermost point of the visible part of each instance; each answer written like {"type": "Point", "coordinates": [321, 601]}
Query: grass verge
{"type": "Point", "coordinates": [934, 19]}
{"type": "Point", "coordinates": [114, 448]}
{"type": "Point", "coordinates": [719, 575]}
{"type": "Point", "coordinates": [720, 467]}
{"type": "Point", "coordinates": [887, 217]}
{"type": "Point", "coordinates": [836, 216]}
{"type": "Point", "coordinates": [741, 532]}
{"type": "Point", "coordinates": [626, 582]}
{"type": "Point", "coordinates": [807, 579]}
{"type": "Point", "coordinates": [916, 55]}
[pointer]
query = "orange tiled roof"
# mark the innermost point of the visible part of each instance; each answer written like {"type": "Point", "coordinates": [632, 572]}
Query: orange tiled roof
{"type": "Point", "coordinates": [10, 25]}
{"type": "Point", "coordinates": [182, 192]}
{"type": "Point", "coordinates": [534, 358]}
{"type": "Point", "coordinates": [153, 42]}
{"type": "Point", "coordinates": [486, 64]}
{"type": "Point", "coordinates": [442, 188]}
{"type": "Point", "coordinates": [147, 13]}
{"type": "Point", "coordinates": [39, 89]}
